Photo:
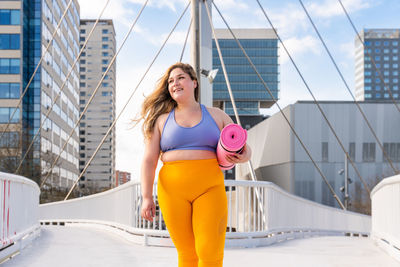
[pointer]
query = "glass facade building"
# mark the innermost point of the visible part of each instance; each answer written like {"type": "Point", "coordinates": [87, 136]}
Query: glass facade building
{"type": "Point", "coordinates": [373, 80]}
{"type": "Point", "coordinates": [32, 26]}
{"type": "Point", "coordinates": [10, 84]}
{"type": "Point", "coordinates": [261, 45]}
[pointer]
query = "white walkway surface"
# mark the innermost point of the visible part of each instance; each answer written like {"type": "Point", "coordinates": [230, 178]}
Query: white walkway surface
{"type": "Point", "coordinates": [63, 246]}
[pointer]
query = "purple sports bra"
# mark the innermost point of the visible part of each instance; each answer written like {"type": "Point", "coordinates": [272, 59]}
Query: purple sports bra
{"type": "Point", "coordinates": [202, 136]}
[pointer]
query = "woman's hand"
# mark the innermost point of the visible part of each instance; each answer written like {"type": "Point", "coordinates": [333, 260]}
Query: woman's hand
{"type": "Point", "coordinates": [148, 211]}
{"type": "Point", "coordinates": [240, 158]}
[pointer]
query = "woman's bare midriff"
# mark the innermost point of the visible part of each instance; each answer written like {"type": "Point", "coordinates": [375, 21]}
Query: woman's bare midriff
{"type": "Point", "coordinates": [187, 155]}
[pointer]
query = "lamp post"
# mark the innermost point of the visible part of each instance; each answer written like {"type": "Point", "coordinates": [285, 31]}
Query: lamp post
{"type": "Point", "coordinates": [347, 181]}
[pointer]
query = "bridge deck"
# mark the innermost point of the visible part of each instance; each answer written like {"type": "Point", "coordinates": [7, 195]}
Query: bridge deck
{"type": "Point", "coordinates": [87, 246]}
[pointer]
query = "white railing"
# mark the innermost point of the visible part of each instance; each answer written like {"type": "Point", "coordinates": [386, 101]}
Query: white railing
{"type": "Point", "coordinates": [385, 199]}
{"type": "Point", "coordinates": [285, 216]}
{"type": "Point", "coordinates": [19, 213]}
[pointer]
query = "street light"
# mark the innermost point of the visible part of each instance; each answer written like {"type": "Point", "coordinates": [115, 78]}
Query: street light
{"type": "Point", "coordinates": [210, 74]}
{"type": "Point", "coordinates": [347, 181]}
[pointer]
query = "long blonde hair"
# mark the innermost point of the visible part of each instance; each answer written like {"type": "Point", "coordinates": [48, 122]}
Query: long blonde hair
{"type": "Point", "coordinates": [160, 101]}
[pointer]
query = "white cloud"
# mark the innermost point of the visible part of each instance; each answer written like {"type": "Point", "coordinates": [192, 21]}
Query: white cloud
{"type": "Point", "coordinates": [299, 46]}
{"type": "Point", "coordinates": [288, 20]}
{"type": "Point", "coordinates": [331, 8]}
{"type": "Point", "coordinates": [229, 5]}
{"type": "Point", "coordinates": [347, 50]}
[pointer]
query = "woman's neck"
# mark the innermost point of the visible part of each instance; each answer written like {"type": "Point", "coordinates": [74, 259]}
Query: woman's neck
{"type": "Point", "coordinates": [189, 106]}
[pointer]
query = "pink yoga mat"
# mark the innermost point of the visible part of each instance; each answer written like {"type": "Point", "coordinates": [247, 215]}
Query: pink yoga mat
{"type": "Point", "coordinates": [231, 141]}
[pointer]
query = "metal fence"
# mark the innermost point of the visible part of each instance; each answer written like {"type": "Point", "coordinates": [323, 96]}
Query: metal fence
{"type": "Point", "coordinates": [19, 212]}
{"type": "Point", "coordinates": [278, 216]}
{"type": "Point", "coordinates": [385, 199]}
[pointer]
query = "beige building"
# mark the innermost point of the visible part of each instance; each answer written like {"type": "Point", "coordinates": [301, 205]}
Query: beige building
{"type": "Point", "coordinates": [22, 45]}
{"type": "Point", "coordinates": [101, 112]}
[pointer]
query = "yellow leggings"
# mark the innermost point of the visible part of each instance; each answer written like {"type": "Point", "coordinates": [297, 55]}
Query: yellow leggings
{"type": "Point", "coordinates": [192, 198]}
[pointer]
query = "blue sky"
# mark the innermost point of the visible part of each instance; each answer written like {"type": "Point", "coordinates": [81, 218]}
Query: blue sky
{"type": "Point", "coordinates": [287, 16]}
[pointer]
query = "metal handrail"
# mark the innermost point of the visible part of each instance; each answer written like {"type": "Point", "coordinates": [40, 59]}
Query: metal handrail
{"type": "Point", "coordinates": [288, 216]}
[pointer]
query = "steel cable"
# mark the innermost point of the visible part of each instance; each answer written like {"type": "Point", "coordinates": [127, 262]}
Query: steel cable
{"type": "Point", "coordinates": [373, 61]}
{"type": "Point", "coordinates": [36, 68]}
{"type": "Point", "coordinates": [348, 89]}
{"type": "Point", "coordinates": [95, 91]}
{"type": "Point", "coordinates": [62, 87]}
{"type": "Point", "coordinates": [228, 84]}
{"type": "Point", "coordinates": [316, 102]}
{"type": "Point", "coordinates": [126, 104]}
{"type": "Point", "coordinates": [281, 111]}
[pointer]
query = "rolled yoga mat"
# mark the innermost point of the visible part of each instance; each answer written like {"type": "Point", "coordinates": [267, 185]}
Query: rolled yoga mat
{"type": "Point", "coordinates": [231, 141]}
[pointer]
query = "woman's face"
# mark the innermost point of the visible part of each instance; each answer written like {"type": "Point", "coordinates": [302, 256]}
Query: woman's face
{"type": "Point", "coordinates": [180, 85]}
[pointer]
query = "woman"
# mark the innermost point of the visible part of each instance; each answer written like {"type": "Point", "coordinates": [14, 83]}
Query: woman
{"type": "Point", "coordinates": [191, 190]}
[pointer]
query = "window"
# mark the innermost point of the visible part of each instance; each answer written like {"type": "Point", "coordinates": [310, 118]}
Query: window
{"type": "Point", "coordinates": [104, 46]}
{"type": "Point", "coordinates": [9, 41]}
{"type": "Point", "coordinates": [352, 151]}
{"type": "Point", "coordinates": [104, 84]}
{"type": "Point", "coordinates": [10, 140]}
{"type": "Point", "coordinates": [103, 69]}
{"type": "Point", "coordinates": [392, 150]}
{"type": "Point", "coordinates": [324, 152]}
{"type": "Point", "coordinates": [377, 43]}
{"type": "Point", "coordinates": [83, 31]}
{"type": "Point", "coordinates": [9, 17]}
{"type": "Point", "coordinates": [9, 90]}
{"type": "Point", "coordinates": [105, 31]}
{"type": "Point", "coordinates": [6, 113]}
{"type": "Point", "coordinates": [9, 65]}
{"type": "Point", "coordinates": [104, 39]}
{"type": "Point", "coordinates": [104, 61]}
{"type": "Point", "coordinates": [368, 153]}
{"type": "Point", "coordinates": [105, 54]}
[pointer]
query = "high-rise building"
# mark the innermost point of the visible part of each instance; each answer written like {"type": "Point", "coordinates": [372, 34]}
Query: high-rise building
{"type": "Point", "coordinates": [261, 45]}
{"type": "Point", "coordinates": [122, 177]}
{"type": "Point", "coordinates": [381, 47]}
{"type": "Point", "coordinates": [26, 29]}
{"type": "Point", "coordinates": [101, 112]}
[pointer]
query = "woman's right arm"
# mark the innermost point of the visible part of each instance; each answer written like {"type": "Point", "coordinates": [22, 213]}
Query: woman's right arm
{"type": "Point", "coordinates": [149, 165]}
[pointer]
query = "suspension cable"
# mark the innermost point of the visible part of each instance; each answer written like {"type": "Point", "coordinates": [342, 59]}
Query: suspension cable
{"type": "Point", "coordinates": [95, 91]}
{"type": "Point", "coordinates": [316, 102]}
{"type": "Point", "coordinates": [348, 89]}
{"type": "Point", "coordinates": [373, 61]}
{"type": "Point", "coordinates": [62, 87]}
{"type": "Point", "coordinates": [184, 44]}
{"type": "Point", "coordinates": [36, 68]}
{"type": "Point", "coordinates": [283, 114]}
{"type": "Point", "coordinates": [228, 84]}
{"type": "Point", "coordinates": [126, 104]}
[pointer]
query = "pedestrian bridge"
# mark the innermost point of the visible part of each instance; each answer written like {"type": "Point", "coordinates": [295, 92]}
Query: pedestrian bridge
{"type": "Point", "coordinates": [266, 225]}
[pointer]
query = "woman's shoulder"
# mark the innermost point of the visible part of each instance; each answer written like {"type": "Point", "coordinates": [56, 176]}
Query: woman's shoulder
{"type": "Point", "coordinates": [161, 121]}
{"type": "Point", "coordinates": [219, 116]}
